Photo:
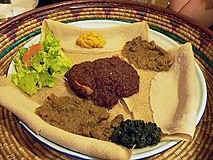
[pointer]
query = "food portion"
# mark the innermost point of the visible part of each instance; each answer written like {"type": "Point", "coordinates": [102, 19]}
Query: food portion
{"type": "Point", "coordinates": [79, 116]}
{"type": "Point", "coordinates": [147, 55]}
{"type": "Point", "coordinates": [39, 65]}
{"type": "Point", "coordinates": [174, 93]}
{"type": "Point", "coordinates": [115, 36]}
{"type": "Point", "coordinates": [24, 108]}
{"type": "Point", "coordinates": [91, 40]}
{"type": "Point", "coordinates": [82, 117]}
{"type": "Point", "coordinates": [136, 134]}
{"type": "Point", "coordinates": [104, 80]}
{"type": "Point", "coordinates": [136, 110]}
{"type": "Point", "coordinates": [149, 60]}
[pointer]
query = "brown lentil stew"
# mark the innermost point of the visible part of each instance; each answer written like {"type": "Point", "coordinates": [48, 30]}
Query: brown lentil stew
{"type": "Point", "coordinates": [147, 55]}
{"type": "Point", "coordinates": [79, 116]}
{"type": "Point", "coordinates": [104, 80]}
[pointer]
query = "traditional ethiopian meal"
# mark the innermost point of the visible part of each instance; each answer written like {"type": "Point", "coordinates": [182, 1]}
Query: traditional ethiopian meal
{"type": "Point", "coordinates": [103, 92]}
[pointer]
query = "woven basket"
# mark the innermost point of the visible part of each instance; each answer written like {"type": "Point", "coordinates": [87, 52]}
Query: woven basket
{"type": "Point", "coordinates": [16, 143]}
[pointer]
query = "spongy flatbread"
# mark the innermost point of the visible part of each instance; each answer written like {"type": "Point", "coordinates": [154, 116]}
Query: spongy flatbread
{"type": "Point", "coordinates": [173, 96]}
{"type": "Point", "coordinates": [179, 79]}
{"type": "Point", "coordinates": [139, 103]}
{"type": "Point", "coordinates": [169, 98]}
{"type": "Point", "coordinates": [116, 36]}
{"type": "Point", "coordinates": [24, 108]}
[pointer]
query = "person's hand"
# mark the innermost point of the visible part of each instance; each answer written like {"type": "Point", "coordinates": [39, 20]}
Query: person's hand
{"type": "Point", "coordinates": [199, 10]}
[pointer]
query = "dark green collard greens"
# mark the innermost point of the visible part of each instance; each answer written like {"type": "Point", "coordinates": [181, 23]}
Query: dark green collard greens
{"type": "Point", "coordinates": [136, 134]}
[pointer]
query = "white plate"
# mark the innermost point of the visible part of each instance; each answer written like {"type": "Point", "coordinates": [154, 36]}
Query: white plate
{"type": "Point", "coordinates": [162, 41]}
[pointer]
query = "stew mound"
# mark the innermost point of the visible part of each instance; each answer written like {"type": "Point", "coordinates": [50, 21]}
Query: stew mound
{"type": "Point", "coordinates": [79, 116]}
{"type": "Point", "coordinates": [104, 80]}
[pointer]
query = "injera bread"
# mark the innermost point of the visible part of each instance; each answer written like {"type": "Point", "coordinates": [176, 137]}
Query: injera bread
{"type": "Point", "coordinates": [173, 96]}
{"type": "Point", "coordinates": [139, 103]}
{"type": "Point", "coordinates": [24, 108]}
{"type": "Point", "coordinates": [148, 114]}
{"type": "Point", "coordinates": [168, 98]}
{"type": "Point", "coordinates": [116, 36]}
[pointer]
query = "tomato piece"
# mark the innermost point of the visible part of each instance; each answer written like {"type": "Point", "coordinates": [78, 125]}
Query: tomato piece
{"type": "Point", "coordinates": [31, 52]}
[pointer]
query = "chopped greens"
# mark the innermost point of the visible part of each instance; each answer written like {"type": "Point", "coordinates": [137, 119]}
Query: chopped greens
{"type": "Point", "coordinates": [136, 134]}
{"type": "Point", "coordinates": [45, 66]}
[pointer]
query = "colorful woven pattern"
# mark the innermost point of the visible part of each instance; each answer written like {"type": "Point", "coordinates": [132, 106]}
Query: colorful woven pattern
{"type": "Point", "coordinates": [16, 143]}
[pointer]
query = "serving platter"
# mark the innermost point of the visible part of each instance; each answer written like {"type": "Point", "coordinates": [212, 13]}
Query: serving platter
{"type": "Point", "coordinates": [161, 40]}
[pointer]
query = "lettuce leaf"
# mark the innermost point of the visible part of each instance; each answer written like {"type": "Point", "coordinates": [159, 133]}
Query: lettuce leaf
{"type": "Point", "coordinates": [46, 66]}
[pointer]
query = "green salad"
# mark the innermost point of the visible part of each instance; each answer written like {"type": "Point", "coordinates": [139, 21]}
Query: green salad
{"type": "Point", "coordinates": [39, 65]}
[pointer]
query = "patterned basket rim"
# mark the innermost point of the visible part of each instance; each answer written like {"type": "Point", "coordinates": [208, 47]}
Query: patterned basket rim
{"type": "Point", "coordinates": [84, 4]}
